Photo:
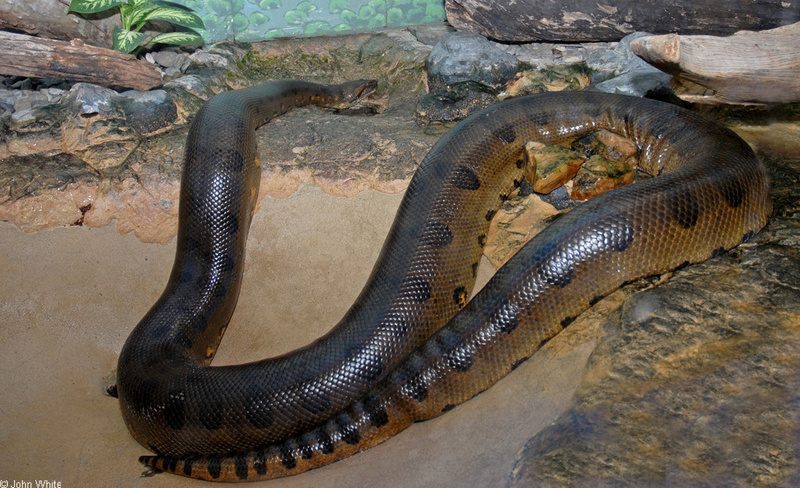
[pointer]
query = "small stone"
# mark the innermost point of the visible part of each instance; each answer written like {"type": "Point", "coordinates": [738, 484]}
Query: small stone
{"type": "Point", "coordinates": [607, 144]}
{"type": "Point", "coordinates": [208, 59]}
{"type": "Point", "coordinates": [165, 58]}
{"type": "Point", "coordinates": [555, 165]}
{"type": "Point", "coordinates": [599, 175]}
{"type": "Point", "coordinates": [32, 100]}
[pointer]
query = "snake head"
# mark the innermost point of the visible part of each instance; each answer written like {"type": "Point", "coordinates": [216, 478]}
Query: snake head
{"type": "Point", "coordinates": [352, 95]}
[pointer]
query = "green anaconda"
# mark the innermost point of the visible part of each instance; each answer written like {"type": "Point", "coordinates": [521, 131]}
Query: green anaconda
{"type": "Point", "coordinates": [409, 348]}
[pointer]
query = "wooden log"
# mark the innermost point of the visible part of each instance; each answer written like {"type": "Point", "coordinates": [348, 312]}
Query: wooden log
{"type": "Point", "coordinates": [49, 18]}
{"type": "Point", "coordinates": [24, 55]}
{"type": "Point", "coordinates": [745, 68]}
{"type": "Point", "coordinates": [611, 20]}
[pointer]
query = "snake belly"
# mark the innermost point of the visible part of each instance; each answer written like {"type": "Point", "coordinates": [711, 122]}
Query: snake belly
{"type": "Point", "coordinates": [411, 347]}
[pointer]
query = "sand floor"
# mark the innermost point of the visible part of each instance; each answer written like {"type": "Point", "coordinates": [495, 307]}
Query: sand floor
{"type": "Point", "coordinates": [70, 297]}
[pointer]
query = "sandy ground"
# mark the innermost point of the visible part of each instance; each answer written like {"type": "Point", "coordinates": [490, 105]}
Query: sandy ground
{"type": "Point", "coordinates": [70, 297]}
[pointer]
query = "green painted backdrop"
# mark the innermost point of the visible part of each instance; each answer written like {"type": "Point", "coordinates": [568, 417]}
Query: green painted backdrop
{"type": "Point", "coordinates": [255, 20]}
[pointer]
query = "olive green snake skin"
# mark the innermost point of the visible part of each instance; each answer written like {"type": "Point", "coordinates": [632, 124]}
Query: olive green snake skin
{"type": "Point", "coordinates": [411, 347]}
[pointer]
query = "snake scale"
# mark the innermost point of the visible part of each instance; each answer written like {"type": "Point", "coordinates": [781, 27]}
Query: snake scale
{"type": "Point", "coordinates": [411, 347]}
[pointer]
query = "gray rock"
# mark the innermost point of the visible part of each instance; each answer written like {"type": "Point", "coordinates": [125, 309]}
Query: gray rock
{"type": "Point", "coordinates": [193, 84]}
{"type": "Point", "coordinates": [148, 112]}
{"type": "Point", "coordinates": [89, 100]}
{"type": "Point", "coordinates": [209, 59]}
{"type": "Point", "coordinates": [542, 55]}
{"type": "Point", "coordinates": [695, 381]}
{"type": "Point", "coordinates": [430, 34]}
{"type": "Point", "coordinates": [466, 57]}
{"type": "Point", "coordinates": [31, 100]}
{"type": "Point", "coordinates": [630, 74]}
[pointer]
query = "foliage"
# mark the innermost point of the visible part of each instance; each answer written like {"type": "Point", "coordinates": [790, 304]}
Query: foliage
{"type": "Point", "coordinates": [136, 13]}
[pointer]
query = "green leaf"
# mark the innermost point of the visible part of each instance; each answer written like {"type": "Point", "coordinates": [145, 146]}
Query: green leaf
{"type": "Point", "coordinates": [93, 6]}
{"type": "Point", "coordinates": [177, 38]}
{"type": "Point", "coordinates": [136, 16]}
{"type": "Point", "coordinates": [176, 16]}
{"type": "Point", "coordinates": [125, 40]}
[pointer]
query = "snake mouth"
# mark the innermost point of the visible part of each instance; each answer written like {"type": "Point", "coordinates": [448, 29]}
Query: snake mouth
{"type": "Point", "coordinates": [367, 89]}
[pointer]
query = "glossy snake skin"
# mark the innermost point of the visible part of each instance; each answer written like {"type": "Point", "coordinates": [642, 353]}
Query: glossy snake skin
{"type": "Point", "coordinates": [402, 353]}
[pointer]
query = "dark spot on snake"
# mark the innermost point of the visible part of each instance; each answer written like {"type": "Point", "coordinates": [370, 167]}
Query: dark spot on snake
{"type": "Point", "coordinates": [416, 389]}
{"type": "Point", "coordinates": [241, 466]}
{"type": "Point", "coordinates": [448, 407]}
{"type": "Point", "coordinates": [186, 274]}
{"type": "Point", "coordinates": [371, 369]}
{"type": "Point", "coordinates": [325, 442]}
{"type": "Point", "coordinates": [465, 178]}
{"type": "Point", "coordinates": [171, 465]}
{"type": "Point", "coordinates": [475, 269]}
{"type": "Point", "coordinates": [174, 409]}
{"type": "Point", "coordinates": [507, 319]}
{"type": "Point", "coordinates": [410, 377]}
{"type": "Point", "coordinates": [520, 163]}
{"type": "Point", "coordinates": [260, 462]}
{"type": "Point", "coordinates": [560, 275]}
{"type": "Point", "coordinates": [503, 197]}
{"type": "Point", "coordinates": [518, 363]}
{"type": "Point", "coordinates": [621, 239]}
{"type": "Point", "coordinates": [732, 191]}
{"type": "Point", "coordinates": [567, 321]}
{"type": "Point", "coordinates": [183, 340]}
{"type": "Point", "coordinates": [375, 411]}
{"type": "Point", "coordinates": [287, 457]}
{"type": "Point", "coordinates": [210, 414]}
{"type": "Point", "coordinates": [437, 234]}
{"type": "Point", "coordinates": [187, 466]}
{"type": "Point", "coordinates": [517, 183]}
{"type": "Point", "coordinates": [507, 134]}
{"type": "Point", "coordinates": [482, 240]}
{"type": "Point", "coordinates": [418, 289]}
{"type": "Point", "coordinates": [490, 215]}
{"type": "Point", "coordinates": [314, 401]}
{"type": "Point", "coordinates": [538, 118]}
{"type": "Point", "coordinates": [594, 300]}
{"type": "Point", "coordinates": [716, 252]}
{"type": "Point", "coordinates": [457, 358]}
{"type": "Point", "coordinates": [305, 449]}
{"type": "Point", "coordinates": [460, 296]}
{"type": "Point", "coordinates": [525, 188]}
{"type": "Point", "coordinates": [748, 235]}
{"type": "Point", "coordinates": [214, 467]}
{"type": "Point", "coordinates": [236, 159]}
{"type": "Point", "coordinates": [399, 327]}
{"type": "Point", "coordinates": [347, 430]}
{"type": "Point", "coordinates": [685, 209]}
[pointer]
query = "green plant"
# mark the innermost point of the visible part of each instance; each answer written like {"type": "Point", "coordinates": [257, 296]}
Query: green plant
{"type": "Point", "coordinates": [136, 13]}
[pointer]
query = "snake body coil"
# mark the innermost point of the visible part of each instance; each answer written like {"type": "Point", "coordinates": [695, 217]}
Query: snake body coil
{"type": "Point", "coordinates": [406, 350]}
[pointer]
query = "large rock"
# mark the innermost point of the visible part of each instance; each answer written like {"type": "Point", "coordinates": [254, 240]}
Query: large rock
{"type": "Point", "coordinates": [695, 381]}
{"type": "Point", "coordinates": [610, 20]}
